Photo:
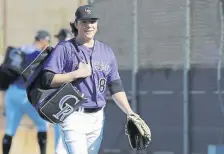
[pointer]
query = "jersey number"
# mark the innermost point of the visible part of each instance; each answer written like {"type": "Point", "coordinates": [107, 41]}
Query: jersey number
{"type": "Point", "coordinates": [102, 84]}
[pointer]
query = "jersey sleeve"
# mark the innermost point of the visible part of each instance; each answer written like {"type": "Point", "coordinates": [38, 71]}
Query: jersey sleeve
{"type": "Point", "coordinates": [56, 61]}
{"type": "Point", "coordinates": [113, 73]}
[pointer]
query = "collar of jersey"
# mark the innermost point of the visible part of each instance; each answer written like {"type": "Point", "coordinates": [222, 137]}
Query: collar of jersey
{"type": "Point", "coordinates": [29, 49]}
{"type": "Point", "coordinates": [85, 48]}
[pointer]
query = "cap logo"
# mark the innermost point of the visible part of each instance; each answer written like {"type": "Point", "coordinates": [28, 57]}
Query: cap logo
{"type": "Point", "coordinates": [87, 10]}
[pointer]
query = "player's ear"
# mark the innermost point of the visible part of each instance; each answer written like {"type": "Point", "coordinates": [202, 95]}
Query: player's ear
{"type": "Point", "coordinates": [97, 28]}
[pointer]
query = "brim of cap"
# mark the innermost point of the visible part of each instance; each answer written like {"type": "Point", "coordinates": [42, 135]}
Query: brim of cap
{"type": "Point", "coordinates": [46, 38]}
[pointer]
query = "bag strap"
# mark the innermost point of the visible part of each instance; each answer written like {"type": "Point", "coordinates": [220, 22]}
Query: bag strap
{"type": "Point", "coordinates": [39, 60]}
{"type": "Point", "coordinates": [74, 43]}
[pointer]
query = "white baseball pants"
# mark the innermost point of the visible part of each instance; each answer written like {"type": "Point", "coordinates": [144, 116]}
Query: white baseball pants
{"type": "Point", "coordinates": [82, 133]}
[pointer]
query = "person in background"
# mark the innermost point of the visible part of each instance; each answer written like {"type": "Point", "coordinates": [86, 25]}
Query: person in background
{"type": "Point", "coordinates": [16, 101]}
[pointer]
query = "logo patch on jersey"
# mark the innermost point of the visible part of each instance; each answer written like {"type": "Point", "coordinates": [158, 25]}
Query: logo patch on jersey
{"type": "Point", "coordinates": [101, 66]}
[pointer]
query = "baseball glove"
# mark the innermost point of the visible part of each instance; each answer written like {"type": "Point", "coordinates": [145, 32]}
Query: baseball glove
{"type": "Point", "coordinates": [139, 134]}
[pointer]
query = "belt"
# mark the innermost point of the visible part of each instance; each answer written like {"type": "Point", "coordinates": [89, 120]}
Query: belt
{"type": "Point", "coordinates": [88, 110]}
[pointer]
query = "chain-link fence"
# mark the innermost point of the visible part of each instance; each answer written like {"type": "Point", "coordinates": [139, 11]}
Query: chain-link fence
{"type": "Point", "coordinates": [161, 31]}
{"type": "Point", "coordinates": [162, 38]}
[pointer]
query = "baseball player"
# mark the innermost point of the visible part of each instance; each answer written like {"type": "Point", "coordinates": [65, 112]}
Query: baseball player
{"type": "Point", "coordinates": [17, 104]}
{"type": "Point", "coordinates": [91, 66]}
{"type": "Point", "coordinates": [63, 35]}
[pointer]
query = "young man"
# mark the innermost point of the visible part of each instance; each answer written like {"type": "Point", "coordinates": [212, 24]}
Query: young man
{"type": "Point", "coordinates": [17, 104]}
{"type": "Point", "coordinates": [92, 68]}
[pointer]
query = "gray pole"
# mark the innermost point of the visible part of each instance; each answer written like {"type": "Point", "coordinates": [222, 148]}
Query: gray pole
{"type": "Point", "coordinates": [134, 59]}
{"type": "Point", "coordinates": [90, 2]}
{"type": "Point", "coordinates": [134, 56]}
{"type": "Point", "coordinates": [220, 56]}
{"type": "Point", "coordinates": [221, 40]}
{"type": "Point", "coordinates": [186, 146]}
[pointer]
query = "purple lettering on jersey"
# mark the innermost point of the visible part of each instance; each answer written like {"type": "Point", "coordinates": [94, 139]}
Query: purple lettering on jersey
{"type": "Point", "coordinates": [65, 58]}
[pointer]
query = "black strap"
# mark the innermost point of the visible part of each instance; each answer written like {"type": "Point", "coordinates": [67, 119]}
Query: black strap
{"type": "Point", "coordinates": [39, 60]}
{"type": "Point", "coordinates": [73, 41]}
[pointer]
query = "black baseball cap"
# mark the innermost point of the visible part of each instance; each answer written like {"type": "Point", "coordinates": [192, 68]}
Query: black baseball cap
{"type": "Point", "coordinates": [86, 12]}
{"type": "Point", "coordinates": [43, 35]}
{"type": "Point", "coordinates": [63, 33]}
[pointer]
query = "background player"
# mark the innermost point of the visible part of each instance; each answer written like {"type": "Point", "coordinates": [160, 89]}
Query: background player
{"type": "Point", "coordinates": [17, 104]}
{"type": "Point", "coordinates": [64, 34]}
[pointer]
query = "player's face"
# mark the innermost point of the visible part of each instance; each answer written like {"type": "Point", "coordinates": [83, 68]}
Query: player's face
{"type": "Point", "coordinates": [61, 38]}
{"type": "Point", "coordinates": [87, 28]}
{"type": "Point", "coordinates": [44, 43]}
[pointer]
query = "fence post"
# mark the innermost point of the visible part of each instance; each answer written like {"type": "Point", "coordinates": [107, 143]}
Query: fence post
{"type": "Point", "coordinates": [186, 78]}
{"type": "Point", "coordinates": [135, 55]}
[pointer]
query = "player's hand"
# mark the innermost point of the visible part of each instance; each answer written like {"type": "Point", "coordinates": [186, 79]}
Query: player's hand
{"type": "Point", "coordinates": [84, 70]}
{"type": "Point", "coordinates": [131, 113]}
